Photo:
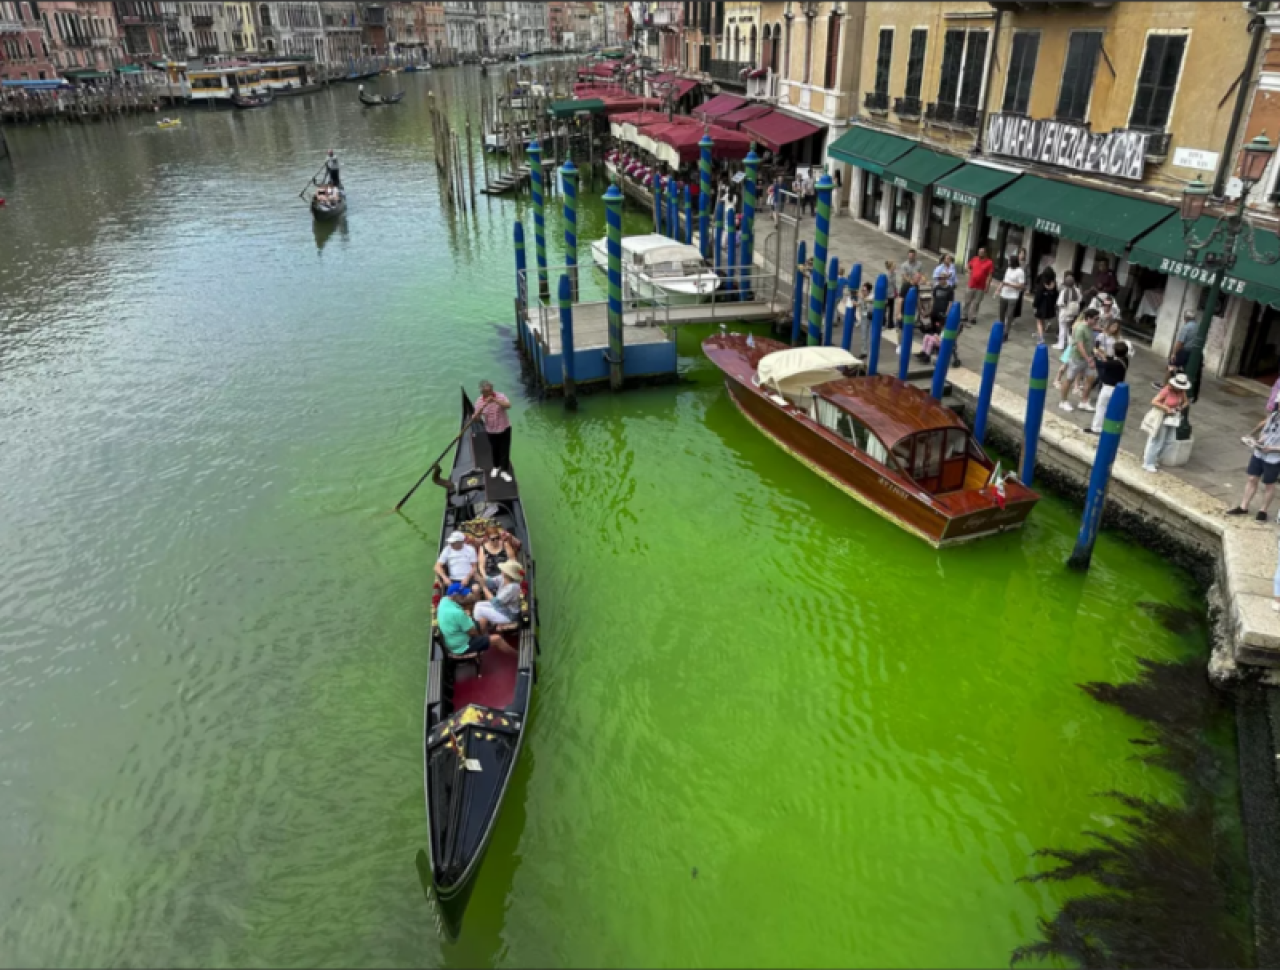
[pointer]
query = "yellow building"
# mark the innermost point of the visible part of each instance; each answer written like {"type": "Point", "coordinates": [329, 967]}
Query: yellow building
{"type": "Point", "coordinates": [1066, 129]}
{"type": "Point", "coordinates": [244, 37]}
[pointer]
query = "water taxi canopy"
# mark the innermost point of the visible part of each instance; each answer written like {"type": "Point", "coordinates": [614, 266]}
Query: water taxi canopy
{"type": "Point", "coordinates": [797, 370]}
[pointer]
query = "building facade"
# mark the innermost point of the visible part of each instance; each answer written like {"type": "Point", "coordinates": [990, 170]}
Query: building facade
{"type": "Point", "coordinates": [142, 28]}
{"type": "Point", "coordinates": [462, 29]}
{"type": "Point", "coordinates": [290, 28]}
{"type": "Point", "coordinates": [82, 36]}
{"type": "Point", "coordinates": [24, 55]}
{"type": "Point", "coordinates": [343, 33]}
{"type": "Point", "coordinates": [1001, 124]}
{"type": "Point", "coordinates": [373, 29]}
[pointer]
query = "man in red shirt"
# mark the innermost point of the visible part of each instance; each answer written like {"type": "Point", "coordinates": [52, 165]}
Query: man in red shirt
{"type": "Point", "coordinates": [980, 270]}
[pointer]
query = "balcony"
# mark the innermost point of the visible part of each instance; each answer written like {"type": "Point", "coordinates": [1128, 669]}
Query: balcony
{"type": "Point", "coordinates": [375, 16]}
{"type": "Point", "coordinates": [202, 20]}
{"type": "Point", "coordinates": [732, 73]}
{"type": "Point", "coordinates": [8, 26]}
{"type": "Point", "coordinates": [875, 102]}
{"type": "Point", "coordinates": [955, 115]}
{"type": "Point", "coordinates": [206, 50]}
{"type": "Point", "coordinates": [1157, 143]}
{"type": "Point", "coordinates": [907, 107]}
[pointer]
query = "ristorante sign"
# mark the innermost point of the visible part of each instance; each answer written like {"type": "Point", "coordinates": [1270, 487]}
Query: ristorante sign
{"type": "Point", "coordinates": [1120, 153]}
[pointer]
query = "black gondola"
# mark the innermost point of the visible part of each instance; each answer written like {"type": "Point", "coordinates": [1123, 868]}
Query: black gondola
{"type": "Point", "coordinates": [379, 100]}
{"type": "Point", "coordinates": [324, 210]}
{"type": "Point", "coordinates": [474, 726]}
{"type": "Point", "coordinates": [251, 100]}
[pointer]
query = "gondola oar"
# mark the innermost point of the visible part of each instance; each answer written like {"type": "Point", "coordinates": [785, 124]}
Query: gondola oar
{"type": "Point", "coordinates": [311, 183]}
{"type": "Point", "coordinates": [433, 465]}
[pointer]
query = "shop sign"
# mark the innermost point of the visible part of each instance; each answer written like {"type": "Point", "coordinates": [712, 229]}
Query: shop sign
{"type": "Point", "coordinates": [1118, 153]}
{"type": "Point", "coordinates": [1045, 225]}
{"type": "Point", "coordinates": [959, 198]}
{"type": "Point", "coordinates": [1196, 158]}
{"type": "Point", "coordinates": [1200, 274]}
{"type": "Point", "coordinates": [901, 183]}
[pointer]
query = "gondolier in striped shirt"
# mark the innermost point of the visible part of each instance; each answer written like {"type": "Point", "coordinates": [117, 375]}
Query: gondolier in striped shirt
{"type": "Point", "coordinates": [331, 168]}
{"type": "Point", "coordinates": [492, 410]}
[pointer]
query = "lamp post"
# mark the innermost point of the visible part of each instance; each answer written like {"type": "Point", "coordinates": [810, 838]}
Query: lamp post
{"type": "Point", "coordinates": [1229, 228]}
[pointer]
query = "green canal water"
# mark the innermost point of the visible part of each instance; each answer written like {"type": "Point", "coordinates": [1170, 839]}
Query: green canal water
{"type": "Point", "coordinates": [771, 729]}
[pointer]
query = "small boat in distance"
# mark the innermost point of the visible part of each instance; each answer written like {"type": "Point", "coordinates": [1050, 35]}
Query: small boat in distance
{"type": "Point", "coordinates": [474, 726]}
{"type": "Point", "coordinates": [328, 202]}
{"type": "Point", "coordinates": [379, 100]}
{"type": "Point", "coordinates": [883, 441]}
{"type": "Point", "coordinates": [251, 100]}
{"type": "Point", "coordinates": [169, 123]}
{"type": "Point", "coordinates": [660, 269]}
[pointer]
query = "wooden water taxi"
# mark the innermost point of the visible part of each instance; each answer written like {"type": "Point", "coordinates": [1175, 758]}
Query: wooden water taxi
{"type": "Point", "coordinates": [661, 269]}
{"type": "Point", "coordinates": [885, 442]}
{"type": "Point", "coordinates": [475, 725]}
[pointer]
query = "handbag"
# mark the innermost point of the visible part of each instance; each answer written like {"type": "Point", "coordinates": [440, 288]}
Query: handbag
{"type": "Point", "coordinates": [1172, 420]}
{"type": "Point", "coordinates": [1152, 420]}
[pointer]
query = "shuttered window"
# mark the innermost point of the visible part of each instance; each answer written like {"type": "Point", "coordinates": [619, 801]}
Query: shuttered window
{"type": "Point", "coordinates": [1077, 75]}
{"type": "Point", "coordinates": [915, 63]}
{"type": "Point", "coordinates": [884, 61]}
{"type": "Point", "coordinates": [1161, 65]}
{"type": "Point", "coordinates": [1022, 69]}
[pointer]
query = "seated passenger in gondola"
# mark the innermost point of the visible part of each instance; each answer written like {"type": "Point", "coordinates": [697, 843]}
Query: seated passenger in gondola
{"type": "Point", "coordinates": [458, 562]}
{"type": "Point", "coordinates": [498, 547]}
{"type": "Point", "coordinates": [503, 606]}
{"type": "Point", "coordinates": [458, 631]}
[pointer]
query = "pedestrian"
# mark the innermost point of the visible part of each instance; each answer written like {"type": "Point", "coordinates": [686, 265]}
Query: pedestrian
{"type": "Point", "coordinates": [1161, 422]}
{"type": "Point", "coordinates": [980, 269]}
{"type": "Point", "coordinates": [1070, 300]}
{"type": "Point", "coordinates": [891, 292]}
{"type": "Point", "coordinates": [1275, 588]}
{"type": "Point", "coordinates": [1011, 287]}
{"type": "Point", "coordinates": [1045, 302]}
{"type": "Point", "coordinates": [1025, 263]}
{"type": "Point", "coordinates": [1104, 278]}
{"type": "Point", "coordinates": [1076, 358]}
{"type": "Point", "coordinates": [912, 272]}
{"type": "Point", "coordinates": [1111, 372]}
{"type": "Point", "coordinates": [331, 170]}
{"type": "Point", "coordinates": [1187, 339]}
{"type": "Point", "coordinates": [492, 409]}
{"type": "Point", "coordinates": [944, 274]}
{"type": "Point", "coordinates": [1264, 465]}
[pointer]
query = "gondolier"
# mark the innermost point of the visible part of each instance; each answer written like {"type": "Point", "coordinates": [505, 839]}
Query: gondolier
{"type": "Point", "coordinates": [492, 410]}
{"type": "Point", "coordinates": [331, 169]}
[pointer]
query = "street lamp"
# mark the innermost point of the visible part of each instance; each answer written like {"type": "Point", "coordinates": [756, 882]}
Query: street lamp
{"type": "Point", "coordinates": [1254, 158]}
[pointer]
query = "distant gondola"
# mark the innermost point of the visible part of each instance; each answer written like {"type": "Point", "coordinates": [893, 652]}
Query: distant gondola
{"type": "Point", "coordinates": [360, 76]}
{"type": "Point", "coordinates": [475, 727]}
{"type": "Point", "coordinates": [325, 209]}
{"type": "Point", "coordinates": [380, 100]}
{"type": "Point", "coordinates": [251, 100]}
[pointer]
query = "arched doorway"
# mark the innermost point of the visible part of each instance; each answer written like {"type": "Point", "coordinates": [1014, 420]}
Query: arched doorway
{"type": "Point", "coordinates": [751, 48]}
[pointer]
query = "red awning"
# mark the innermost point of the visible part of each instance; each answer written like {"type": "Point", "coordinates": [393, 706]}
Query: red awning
{"type": "Point", "coordinates": [734, 119]}
{"type": "Point", "coordinates": [682, 86]}
{"type": "Point", "coordinates": [684, 139]}
{"type": "Point", "coordinates": [720, 105]}
{"type": "Point", "coordinates": [775, 129]}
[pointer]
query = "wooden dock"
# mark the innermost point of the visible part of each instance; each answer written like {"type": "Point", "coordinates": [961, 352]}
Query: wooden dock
{"type": "Point", "coordinates": [507, 182]}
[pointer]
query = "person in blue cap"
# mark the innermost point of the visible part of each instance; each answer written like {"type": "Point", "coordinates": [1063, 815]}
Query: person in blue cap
{"type": "Point", "coordinates": [460, 634]}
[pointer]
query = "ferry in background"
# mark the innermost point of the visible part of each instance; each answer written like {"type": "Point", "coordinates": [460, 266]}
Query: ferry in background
{"type": "Point", "coordinates": [284, 78]}
{"type": "Point", "coordinates": [216, 86]}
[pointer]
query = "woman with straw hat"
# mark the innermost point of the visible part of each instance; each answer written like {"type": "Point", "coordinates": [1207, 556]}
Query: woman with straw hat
{"type": "Point", "coordinates": [502, 607]}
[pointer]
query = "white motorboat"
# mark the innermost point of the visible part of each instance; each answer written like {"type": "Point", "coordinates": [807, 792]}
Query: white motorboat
{"type": "Point", "coordinates": [660, 269]}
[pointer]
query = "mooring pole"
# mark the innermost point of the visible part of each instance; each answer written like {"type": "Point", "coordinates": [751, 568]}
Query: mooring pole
{"type": "Point", "coordinates": [1100, 477]}
{"type": "Point", "coordinates": [673, 203]}
{"type": "Point", "coordinates": [569, 206]}
{"type": "Point", "coordinates": [655, 182]}
{"type": "Point", "coordinates": [910, 305]}
{"type": "Point", "coordinates": [877, 324]}
{"type": "Point", "coordinates": [817, 276]}
{"type": "Point", "coordinates": [704, 193]}
{"type": "Point", "coordinates": [949, 334]}
{"type": "Point", "coordinates": [719, 240]}
{"type": "Point", "coordinates": [1035, 413]}
{"type": "Point", "coordinates": [613, 220]}
{"type": "Point", "coordinates": [568, 363]}
{"type": "Point", "coordinates": [854, 284]}
{"type": "Point", "coordinates": [522, 280]}
{"type": "Point", "coordinates": [989, 364]}
{"type": "Point", "coordinates": [797, 297]}
{"type": "Point", "coordinates": [751, 166]}
{"type": "Point", "coordinates": [833, 294]}
{"type": "Point", "coordinates": [731, 266]}
{"type": "Point", "coordinates": [688, 215]}
{"type": "Point", "coordinates": [539, 219]}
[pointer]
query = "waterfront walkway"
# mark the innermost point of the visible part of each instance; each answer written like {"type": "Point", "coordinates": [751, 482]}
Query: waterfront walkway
{"type": "Point", "coordinates": [1200, 491]}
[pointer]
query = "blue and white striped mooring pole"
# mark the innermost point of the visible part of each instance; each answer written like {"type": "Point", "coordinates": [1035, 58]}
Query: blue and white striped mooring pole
{"type": "Point", "coordinates": [688, 215]}
{"type": "Point", "coordinates": [613, 222]}
{"type": "Point", "coordinates": [877, 324]}
{"type": "Point", "coordinates": [989, 364]}
{"type": "Point", "coordinates": [949, 333]}
{"type": "Point", "coordinates": [797, 302]}
{"type": "Point", "coordinates": [854, 283]}
{"type": "Point", "coordinates": [1035, 414]}
{"type": "Point", "coordinates": [673, 216]}
{"type": "Point", "coordinates": [1100, 477]}
{"type": "Point", "coordinates": [731, 269]}
{"type": "Point", "coordinates": [910, 305]}
{"type": "Point", "coordinates": [833, 294]}
{"type": "Point", "coordinates": [566, 343]}
{"type": "Point", "coordinates": [655, 186]}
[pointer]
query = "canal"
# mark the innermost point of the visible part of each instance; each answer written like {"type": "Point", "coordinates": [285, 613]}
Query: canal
{"type": "Point", "coordinates": [771, 728]}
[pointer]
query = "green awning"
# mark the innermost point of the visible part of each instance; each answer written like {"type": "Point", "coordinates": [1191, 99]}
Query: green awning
{"type": "Point", "coordinates": [920, 168]}
{"type": "Point", "coordinates": [869, 149]}
{"type": "Point", "coordinates": [1105, 220]}
{"type": "Point", "coordinates": [563, 109]}
{"type": "Point", "coordinates": [1165, 250]}
{"type": "Point", "coordinates": [971, 184]}
{"type": "Point", "coordinates": [84, 74]}
{"type": "Point", "coordinates": [128, 69]}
